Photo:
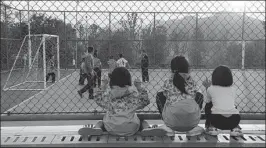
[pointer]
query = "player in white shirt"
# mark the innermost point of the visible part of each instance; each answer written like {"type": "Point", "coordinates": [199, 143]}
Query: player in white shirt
{"type": "Point", "coordinates": [122, 62]}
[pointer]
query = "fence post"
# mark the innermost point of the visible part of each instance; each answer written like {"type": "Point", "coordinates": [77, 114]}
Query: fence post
{"type": "Point", "coordinates": [20, 36]}
{"type": "Point", "coordinates": [6, 36]}
{"type": "Point", "coordinates": [20, 24]}
{"type": "Point", "coordinates": [29, 41]}
{"type": "Point", "coordinates": [76, 42]}
{"type": "Point", "coordinates": [44, 60]}
{"type": "Point", "coordinates": [65, 39]}
{"type": "Point", "coordinates": [196, 66]}
{"type": "Point", "coordinates": [154, 60]}
{"type": "Point", "coordinates": [243, 42]}
{"type": "Point", "coordinates": [243, 45]}
{"type": "Point", "coordinates": [58, 58]}
{"type": "Point", "coordinates": [109, 34]}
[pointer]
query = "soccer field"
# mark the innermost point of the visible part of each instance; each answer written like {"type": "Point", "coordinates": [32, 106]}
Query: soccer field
{"type": "Point", "coordinates": [11, 98]}
{"type": "Point", "coordinates": [63, 97]}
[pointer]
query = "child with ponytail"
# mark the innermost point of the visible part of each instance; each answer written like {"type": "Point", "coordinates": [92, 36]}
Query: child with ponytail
{"type": "Point", "coordinates": [180, 102]}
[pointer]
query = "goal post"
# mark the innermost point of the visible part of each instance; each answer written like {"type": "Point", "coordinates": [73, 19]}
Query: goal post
{"type": "Point", "coordinates": [33, 69]}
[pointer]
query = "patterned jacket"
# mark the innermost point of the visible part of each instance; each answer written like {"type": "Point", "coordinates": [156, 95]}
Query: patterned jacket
{"type": "Point", "coordinates": [121, 105]}
{"type": "Point", "coordinates": [173, 95]}
{"type": "Point", "coordinates": [181, 112]}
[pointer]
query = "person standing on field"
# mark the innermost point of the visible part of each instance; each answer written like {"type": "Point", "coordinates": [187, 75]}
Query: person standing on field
{"type": "Point", "coordinates": [89, 73]}
{"type": "Point", "coordinates": [82, 74]}
{"type": "Point", "coordinates": [51, 69]}
{"type": "Point", "coordinates": [144, 67]}
{"type": "Point", "coordinates": [122, 62]}
{"type": "Point", "coordinates": [98, 70]}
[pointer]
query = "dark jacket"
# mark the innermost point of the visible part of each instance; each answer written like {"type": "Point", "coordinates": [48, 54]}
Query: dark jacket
{"type": "Point", "coordinates": [145, 61]}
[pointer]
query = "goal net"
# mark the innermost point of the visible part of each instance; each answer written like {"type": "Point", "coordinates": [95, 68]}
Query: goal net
{"type": "Point", "coordinates": [38, 56]}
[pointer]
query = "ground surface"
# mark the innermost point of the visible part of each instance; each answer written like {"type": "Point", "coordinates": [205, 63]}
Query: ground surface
{"type": "Point", "coordinates": [62, 96]}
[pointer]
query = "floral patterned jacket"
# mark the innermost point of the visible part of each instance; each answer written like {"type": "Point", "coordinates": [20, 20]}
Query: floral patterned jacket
{"type": "Point", "coordinates": [173, 95]}
{"type": "Point", "coordinates": [181, 112]}
{"type": "Point", "coordinates": [121, 104]}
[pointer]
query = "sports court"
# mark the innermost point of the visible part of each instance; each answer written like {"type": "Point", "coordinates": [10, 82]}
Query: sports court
{"type": "Point", "coordinates": [62, 96]}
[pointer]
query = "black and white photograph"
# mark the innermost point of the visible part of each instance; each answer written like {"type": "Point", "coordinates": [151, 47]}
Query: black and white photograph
{"type": "Point", "coordinates": [128, 73]}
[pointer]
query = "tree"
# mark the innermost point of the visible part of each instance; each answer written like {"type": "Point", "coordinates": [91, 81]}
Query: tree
{"type": "Point", "coordinates": [132, 26]}
{"type": "Point", "coordinates": [255, 54]}
{"type": "Point", "coordinates": [233, 55]}
{"type": "Point", "coordinates": [154, 42]}
{"type": "Point", "coordinates": [197, 50]}
{"type": "Point", "coordinates": [219, 52]}
{"type": "Point", "coordinates": [176, 44]}
{"type": "Point", "coordinates": [116, 45]}
{"type": "Point", "coordinates": [119, 45]}
{"type": "Point", "coordinates": [95, 35]}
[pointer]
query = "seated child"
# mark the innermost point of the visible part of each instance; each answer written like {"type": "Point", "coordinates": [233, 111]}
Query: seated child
{"type": "Point", "coordinates": [220, 107]}
{"type": "Point", "coordinates": [121, 101]}
{"type": "Point", "coordinates": [180, 101]}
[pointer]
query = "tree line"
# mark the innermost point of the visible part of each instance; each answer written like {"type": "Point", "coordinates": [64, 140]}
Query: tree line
{"type": "Point", "coordinates": [130, 39]}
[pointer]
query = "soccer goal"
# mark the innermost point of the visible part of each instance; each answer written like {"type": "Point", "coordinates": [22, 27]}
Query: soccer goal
{"type": "Point", "coordinates": [38, 55]}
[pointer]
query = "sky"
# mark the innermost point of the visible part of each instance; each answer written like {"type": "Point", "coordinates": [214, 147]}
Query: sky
{"type": "Point", "coordinates": [148, 6]}
{"type": "Point", "coordinates": [102, 18]}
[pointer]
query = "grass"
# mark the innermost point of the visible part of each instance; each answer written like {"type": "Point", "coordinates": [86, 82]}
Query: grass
{"type": "Point", "coordinates": [63, 97]}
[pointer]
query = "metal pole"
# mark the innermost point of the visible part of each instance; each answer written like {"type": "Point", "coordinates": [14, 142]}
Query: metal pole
{"type": "Point", "coordinates": [20, 24]}
{"type": "Point", "coordinates": [29, 41]}
{"type": "Point", "coordinates": [140, 41]}
{"type": "Point", "coordinates": [243, 41]}
{"type": "Point", "coordinates": [6, 36]}
{"type": "Point", "coordinates": [109, 34]}
{"type": "Point", "coordinates": [58, 59]}
{"type": "Point", "coordinates": [197, 62]}
{"type": "Point", "coordinates": [154, 38]}
{"type": "Point", "coordinates": [36, 59]}
{"type": "Point", "coordinates": [76, 59]}
{"type": "Point", "coordinates": [243, 44]}
{"type": "Point", "coordinates": [44, 62]}
{"type": "Point", "coordinates": [86, 35]}
{"type": "Point", "coordinates": [65, 40]}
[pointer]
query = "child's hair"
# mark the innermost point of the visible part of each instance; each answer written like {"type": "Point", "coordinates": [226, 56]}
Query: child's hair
{"type": "Point", "coordinates": [120, 77]}
{"type": "Point", "coordinates": [179, 64]}
{"type": "Point", "coordinates": [90, 49]}
{"type": "Point", "coordinates": [111, 57]}
{"type": "Point", "coordinates": [222, 76]}
{"type": "Point", "coordinates": [120, 55]}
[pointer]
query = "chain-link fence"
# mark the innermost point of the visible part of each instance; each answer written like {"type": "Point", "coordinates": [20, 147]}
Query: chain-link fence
{"type": "Point", "coordinates": [207, 33]}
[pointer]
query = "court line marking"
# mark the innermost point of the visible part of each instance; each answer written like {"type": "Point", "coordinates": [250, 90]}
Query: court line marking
{"type": "Point", "coordinates": [23, 102]}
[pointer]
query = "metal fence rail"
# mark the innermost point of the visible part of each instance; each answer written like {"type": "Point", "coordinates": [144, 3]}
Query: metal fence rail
{"type": "Point", "coordinates": [207, 33]}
